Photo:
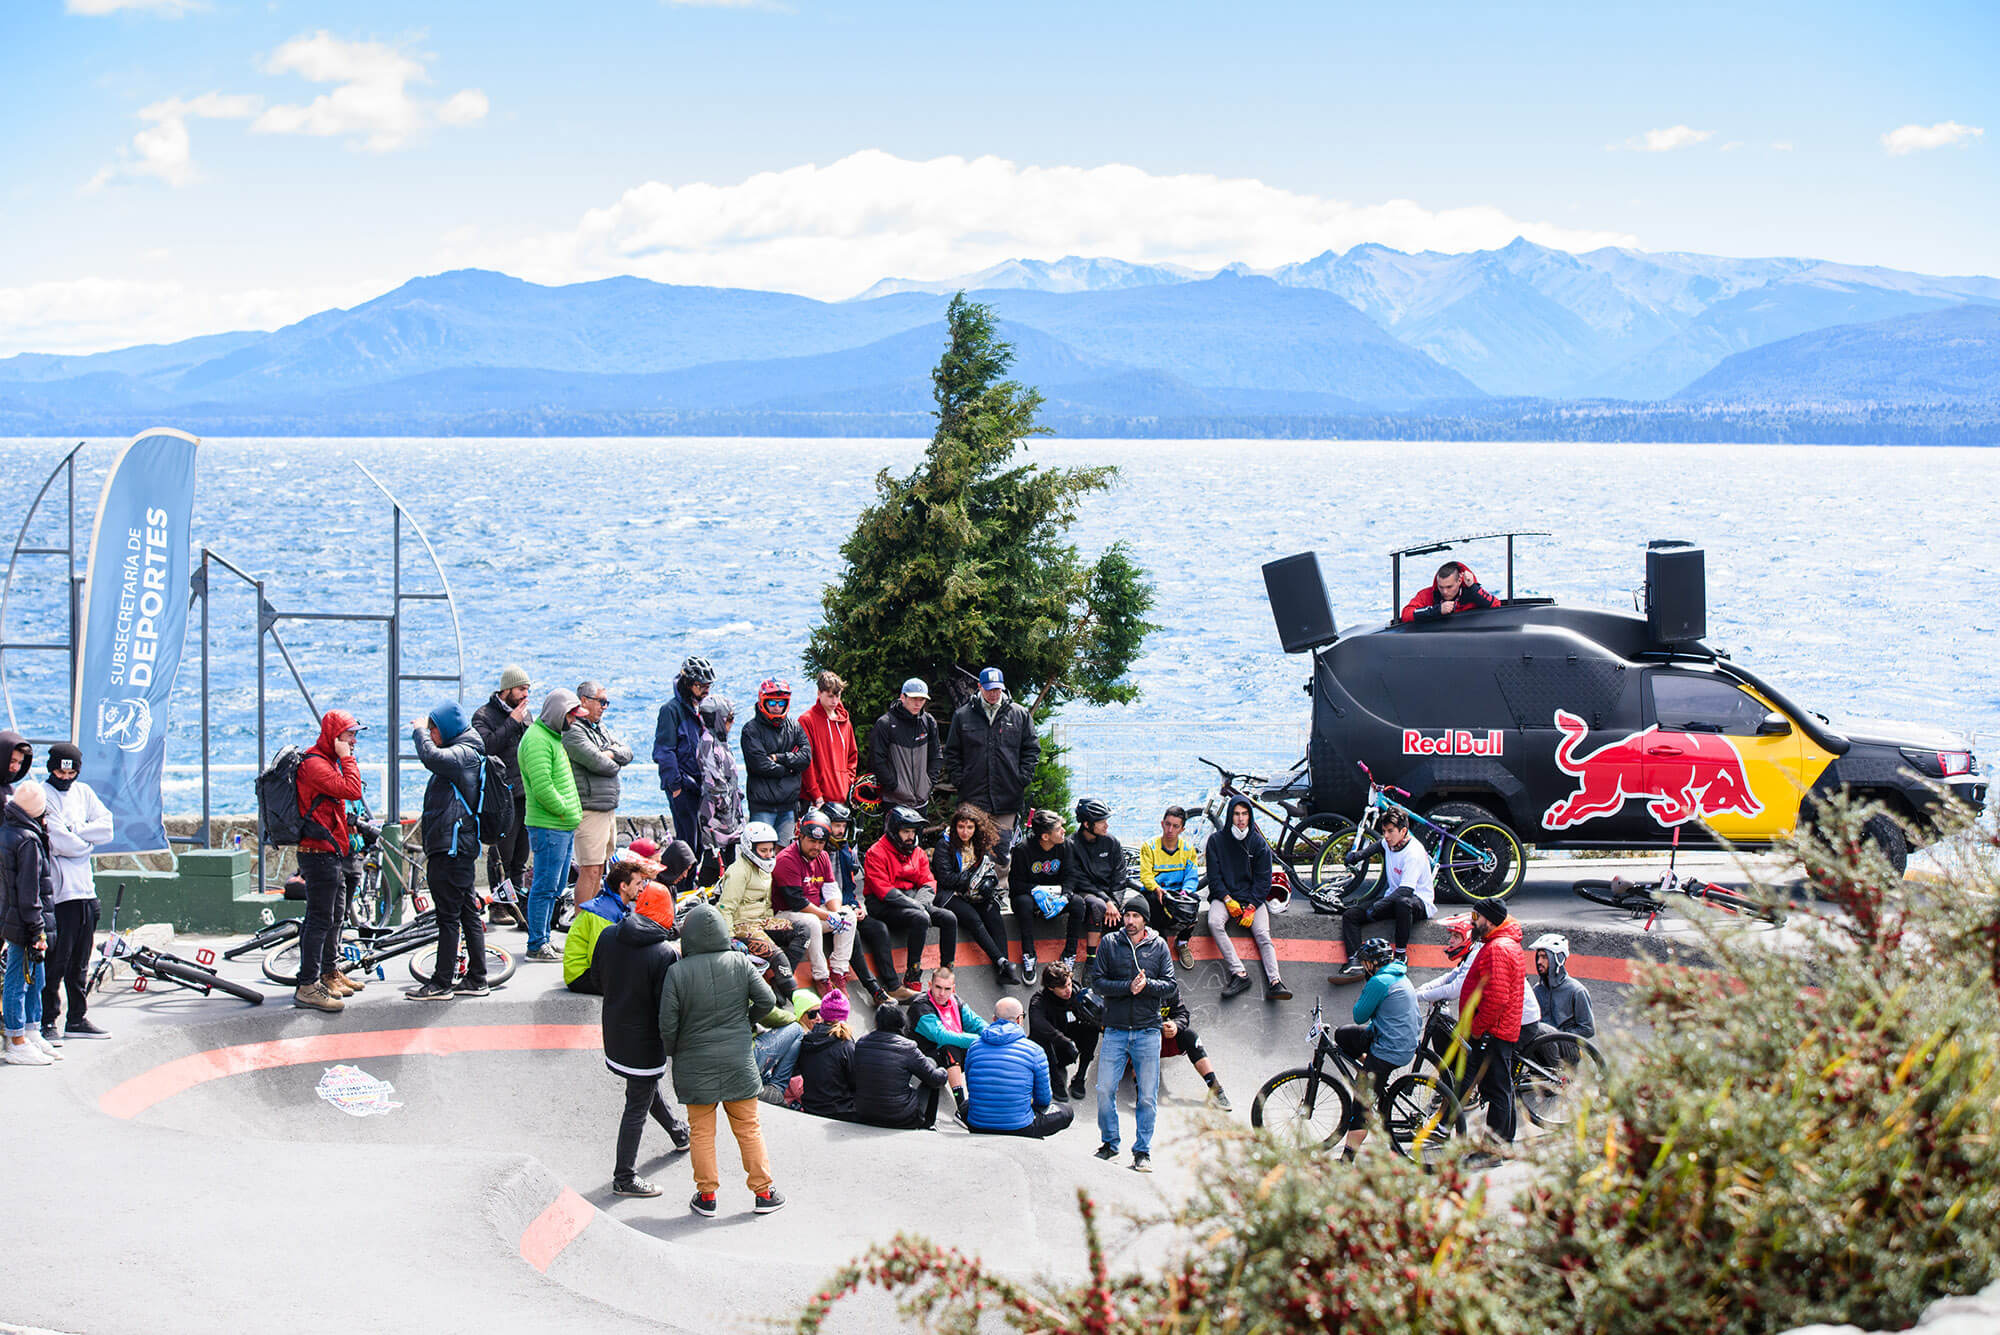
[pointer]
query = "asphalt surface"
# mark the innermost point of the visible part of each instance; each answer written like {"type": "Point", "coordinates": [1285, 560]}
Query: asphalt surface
{"type": "Point", "coordinates": [186, 1176]}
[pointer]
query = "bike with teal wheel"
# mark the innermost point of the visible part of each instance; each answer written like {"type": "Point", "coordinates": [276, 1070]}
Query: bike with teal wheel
{"type": "Point", "coordinates": [1476, 855]}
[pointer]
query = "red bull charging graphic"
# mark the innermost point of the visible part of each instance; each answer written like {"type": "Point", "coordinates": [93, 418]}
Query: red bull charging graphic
{"type": "Point", "coordinates": [1683, 776]}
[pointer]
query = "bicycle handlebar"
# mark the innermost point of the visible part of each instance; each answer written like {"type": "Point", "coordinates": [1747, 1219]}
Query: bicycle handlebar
{"type": "Point", "coordinates": [1385, 787]}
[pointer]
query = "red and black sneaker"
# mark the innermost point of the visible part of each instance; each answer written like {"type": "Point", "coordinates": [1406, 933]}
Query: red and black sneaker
{"type": "Point", "coordinates": [768, 1202]}
{"type": "Point", "coordinates": [703, 1204]}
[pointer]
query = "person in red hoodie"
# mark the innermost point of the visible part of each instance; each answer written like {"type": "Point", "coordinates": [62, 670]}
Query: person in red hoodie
{"type": "Point", "coordinates": [901, 888]}
{"type": "Point", "coordinates": [1491, 995]}
{"type": "Point", "coordinates": [329, 779]}
{"type": "Point", "coordinates": [1455, 589]}
{"type": "Point", "coordinates": [830, 776]}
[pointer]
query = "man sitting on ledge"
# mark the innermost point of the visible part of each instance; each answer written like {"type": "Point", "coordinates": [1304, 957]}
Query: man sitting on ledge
{"type": "Point", "coordinates": [1008, 1076]}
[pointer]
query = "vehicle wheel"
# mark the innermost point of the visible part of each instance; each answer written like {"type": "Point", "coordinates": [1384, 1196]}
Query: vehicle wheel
{"type": "Point", "coordinates": [1291, 1104]}
{"type": "Point", "coordinates": [1556, 1074]}
{"type": "Point", "coordinates": [199, 977]}
{"type": "Point", "coordinates": [1331, 872]}
{"type": "Point", "coordinates": [1424, 1119]}
{"type": "Point", "coordinates": [1889, 841]}
{"type": "Point", "coordinates": [1502, 865]}
{"type": "Point", "coordinates": [500, 966]}
{"type": "Point", "coordinates": [1308, 840]}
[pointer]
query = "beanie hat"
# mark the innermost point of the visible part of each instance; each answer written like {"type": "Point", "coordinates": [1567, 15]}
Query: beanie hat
{"type": "Point", "coordinates": [1493, 910]}
{"type": "Point", "coordinates": [513, 675]}
{"type": "Point", "coordinates": [449, 719]}
{"type": "Point", "coordinates": [803, 1000]}
{"type": "Point", "coordinates": [655, 904]}
{"type": "Point", "coordinates": [30, 797]}
{"type": "Point", "coordinates": [677, 861]}
{"type": "Point", "coordinates": [62, 751]}
{"type": "Point", "coordinates": [1136, 903]}
{"type": "Point", "coordinates": [833, 1007]}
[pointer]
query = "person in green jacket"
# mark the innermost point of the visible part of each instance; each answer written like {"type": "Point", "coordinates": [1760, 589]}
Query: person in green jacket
{"type": "Point", "coordinates": [713, 1001]}
{"type": "Point", "coordinates": [554, 812]}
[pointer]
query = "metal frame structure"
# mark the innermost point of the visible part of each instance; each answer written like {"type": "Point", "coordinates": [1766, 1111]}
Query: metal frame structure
{"type": "Point", "coordinates": [1445, 545]}
{"type": "Point", "coordinates": [67, 646]}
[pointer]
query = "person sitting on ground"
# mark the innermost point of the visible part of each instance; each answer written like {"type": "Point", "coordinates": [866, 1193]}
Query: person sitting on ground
{"type": "Point", "coordinates": [1239, 884]}
{"type": "Point", "coordinates": [1409, 895]}
{"type": "Point", "coordinates": [968, 884]}
{"type": "Point", "coordinates": [777, 1043]}
{"type": "Point", "coordinates": [1177, 1034]}
{"type": "Point", "coordinates": [631, 964]}
{"type": "Point", "coordinates": [1009, 1079]}
{"type": "Point", "coordinates": [1066, 1020]}
{"type": "Point", "coordinates": [871, 935]}
{"type": "Point", "coordinates": [1094, 873]}
{"type": "Point", "coordinates": [606, 910]}
{"type": "Point", "coordinates": [720, 804]}
{"type": "Point", "coordinates": [1170, 877]}
{"type": "Point", "coordinates": [1454, 589]}
{"type": "Point", "coordinates": [826, 1062]}
{"type": "Point", "coordinates": [746, 898]}
{"type": "Point", "coordinates": [1494, 984]}
{"type": "Point", "coordinates": [1383, 1036]}
{"type": "Point", "coordinates": [803, 894]}
{"type": "Point", "coordinates": [894, 874]}
{"type": "Point", "coordinates": [1563, 1002]}
{"type": "Point", "coordinates": [776, 755]}
{"type": "Point", "coordinates": [946, 1028]}
{"type": "Point", "coordinates": [895, 1084]}
{"type": "Point", "coordinates": [1035, 889]}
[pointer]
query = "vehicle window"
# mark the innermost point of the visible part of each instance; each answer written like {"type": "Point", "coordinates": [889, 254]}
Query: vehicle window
{"type": "Point", "coordinates": [1684, 703]}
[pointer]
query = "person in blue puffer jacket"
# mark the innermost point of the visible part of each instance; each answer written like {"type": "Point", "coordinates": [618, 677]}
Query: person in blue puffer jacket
{"type": "Point", "coordinates": [1384, 1034]}
{"type": "Point", "coordinates": [1008, 1076]}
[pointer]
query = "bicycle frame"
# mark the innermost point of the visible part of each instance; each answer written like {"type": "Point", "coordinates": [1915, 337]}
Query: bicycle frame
{"type": "Point", "coordinates": [1379, 801]}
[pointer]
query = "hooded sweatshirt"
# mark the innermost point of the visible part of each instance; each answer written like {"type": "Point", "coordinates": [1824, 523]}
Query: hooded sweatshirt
{"type": "Point", "coordinates": [1564, 1001]}
{"type": "Point", "coordinates": [834, 757]}
{"type": "Point", "coordinates": [327, 783]}
{"type": "Point", "coordinates": [27, 876]}
{"type": "Point", "coordinates": [451, 816]}
{"type": "Point", "coordinates": [722, 808]}
{"type": "Point", "coordinates": [1239, 869]}
{"type": "Point", "coordinates": [1388, 1006]}
{"type": "Point", "coordinates": [13, 767]}
{"type": "Point", "coordinates": [545, 769]}
{"type": "Point", "coordinates": [78, 823]}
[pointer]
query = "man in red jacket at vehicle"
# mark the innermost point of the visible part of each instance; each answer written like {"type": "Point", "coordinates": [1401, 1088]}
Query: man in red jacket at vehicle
{"type": "Point", "coordinates": [1491, 995]}
{"type": "Point", "coordinates": [328, 780]}
{"type": "Point", "coordinates": [1455, 589]}
{"type": "Point", "coordinates": [830, 776]}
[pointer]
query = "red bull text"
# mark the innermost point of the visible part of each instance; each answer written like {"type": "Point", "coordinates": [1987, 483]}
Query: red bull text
{"type": "Point", "coordinates": [1452, 743]}
{"type": "Point", "coordinates": [1684, 775]}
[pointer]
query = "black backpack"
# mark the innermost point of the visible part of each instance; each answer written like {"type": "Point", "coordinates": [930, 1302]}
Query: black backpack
{"type": "Point", "coordinates": [494, 808]}
{"type": "Point", "coordinates": [278, 801]}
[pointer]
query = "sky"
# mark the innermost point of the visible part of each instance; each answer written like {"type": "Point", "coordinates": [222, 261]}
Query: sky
{"type": "Point", "coordinates": [178, 167]}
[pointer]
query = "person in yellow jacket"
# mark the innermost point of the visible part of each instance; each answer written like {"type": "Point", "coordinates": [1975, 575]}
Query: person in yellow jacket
{"type": "Point", "coordinates": [1170, 872]}
{"type": "Point", "coordinates": [554, 812]}
{"type": "Point", "coordinates": [745, 898]}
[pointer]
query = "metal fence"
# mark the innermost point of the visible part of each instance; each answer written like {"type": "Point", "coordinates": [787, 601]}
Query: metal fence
{"type": "Point", "coordinates": [1140, 768]}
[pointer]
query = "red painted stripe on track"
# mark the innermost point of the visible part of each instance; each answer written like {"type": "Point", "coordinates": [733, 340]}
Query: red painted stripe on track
{"type": "Point", "coordinates": [555, 1228]}
{"type": "Point", "coordinates": [144, 1090]}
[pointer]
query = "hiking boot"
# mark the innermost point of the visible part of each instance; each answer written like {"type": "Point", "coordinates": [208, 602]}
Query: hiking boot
{"type": "Point", "coordinates": [434, 990]}
{"type": "Point", "coordinates": [20, 1052]}
{"type": "Point", "coordinates": [633, 1185]}
{"type": "Point", "coordinates": [1076, 1085]}
{"type": "Point", "coordinates": [1275, 990]}
{"type": "Point", "coordinates": [1218, 1099]}
{"type": "Point", "coordinates": [903, 993]}
{"type": "Point", "coordinates": [703, 1204]}
{"type": "Point", "coordinates": [311, 996]}
{"type": "Point", "coordinates": [336, 985]}
{"type": "Point", "coordinates": [84, 1029]}
{"type": "Point", "coordinates": [468, 988]}
{"type": "Point", "coordinates": [49, 1035]}
{"type": "Point", "coordinates": [1184, 952]}
{"type": "Point", "coordinates": [1003, 973]}
{"type": "Point", "coordinates": [1107, 1151]}
{"type": "Point", "coordinates": [1142, 1163]}
{"type": "Point", "coordinates": [1238, 984]}
{"type": "Point", "coordinates": [545, 954]}
{"type": "Point", "coordinates": [769, 1202]}
{"type": "Point", "coordinates": [1028, 967]}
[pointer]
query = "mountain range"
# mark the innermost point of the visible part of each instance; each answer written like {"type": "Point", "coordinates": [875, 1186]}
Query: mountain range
{"type": "Point", "coordinates": [1369, 341]}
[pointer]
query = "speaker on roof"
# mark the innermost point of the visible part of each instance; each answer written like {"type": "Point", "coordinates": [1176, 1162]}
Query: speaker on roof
{"type": "Point", "coordinates": [1299, 603]}
{"type": "Point", "coordinates": [1676, 592]}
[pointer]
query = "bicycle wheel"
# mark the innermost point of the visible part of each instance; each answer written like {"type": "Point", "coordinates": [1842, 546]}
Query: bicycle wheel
{"type": "Point", "coordinates": [1495, 870]}
{"type": "Point", "coordinates": [1331, 872]}
{"type": "Point", "coordinates": [1424, 1118]}
{"type": "Point", "coordinates": [500, 965]}
{"type": "Point", "coordinates": [195, 976]}
{"type": "Point", "coordinates": [1309, 1111]}
{"type": "Point", "coordinates": [1304, 843]}
{"type": "Point", "coordinates": [281, 965]}
{"type": "Point", "coordinates": [1734, 902]}
{"type": "Point", "coordinates": [1554, 1075]}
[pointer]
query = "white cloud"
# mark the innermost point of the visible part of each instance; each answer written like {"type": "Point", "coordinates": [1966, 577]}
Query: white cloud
{"type": "Point", "coordinates": [831, 231]}
{"type": "Point", "coordinates": [171, 9]}
{"type": "Point", "coordinates": [162, 148]}
{"type": "Point", "coordinates": [1664, 141]}
{"type": "Point", "coordinates": [82, 315]}
{"type": "Point", "coordinates": [371, 100]}
{"type": "Point", "coordinates": [1782, 145]}
{"type": "Point", "coordinates": [1916, 138]}
{"type": "Point", "coordinates": [1732, 146]}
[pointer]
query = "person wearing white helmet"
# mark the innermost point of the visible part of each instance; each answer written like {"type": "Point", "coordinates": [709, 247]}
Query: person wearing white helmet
{"type": "Point", "coordinates": [1564, 1002]}
{"type": "Point", "coordinates": [746, 898]}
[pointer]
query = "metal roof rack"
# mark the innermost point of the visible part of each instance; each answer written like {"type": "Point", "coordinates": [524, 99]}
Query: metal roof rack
{"type": "Point", "coordinates": [1445, 545]}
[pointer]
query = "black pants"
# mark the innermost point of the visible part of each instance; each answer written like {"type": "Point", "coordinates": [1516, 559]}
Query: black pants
{"type": "Point", "coordinates": [458, 912]}
{"type": "Point", "coordinates": [319, 937]}
{"type": "Point", "coordinates": [68, 964]}
{"type": "Point", "coordinates": [921, 1118]}
{"type": "Point", "coordinates": [981, 924]}
{"type": "Point", "coordinates": [642, 1099]}
{"type": "Point", "coordinates": [1189, 1042]}
{"type": "Point", "coordinates": [1056, 1117]}
{"type": "Point", "coordinates": [1027, 917]}
{"type": "Point", "coordinates": [686, 810]}
{"type": "Point", "coordinates": [508, 859]}
{"type": "Point", "coordinates": [914, 921]}
{"type": "Point", "coordinates": [1403, 906]}
{"type": "Point", "coordinates": [1353, 1039]}
{"type": "Point", "coordinates": [1491, 1068]}
{"type": "Point", "coordinates": [1067, 1044]}
{"type": "Point", "coordinates": [871, 937]}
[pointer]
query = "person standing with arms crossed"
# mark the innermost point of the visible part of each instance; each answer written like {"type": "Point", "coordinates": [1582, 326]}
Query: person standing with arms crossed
{"type": "Point", "coordinates": [595, 758]}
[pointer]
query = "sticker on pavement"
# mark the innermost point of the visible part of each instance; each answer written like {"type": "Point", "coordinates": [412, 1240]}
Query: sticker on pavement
{"type": "Point", "coordinates": [355, 1092]}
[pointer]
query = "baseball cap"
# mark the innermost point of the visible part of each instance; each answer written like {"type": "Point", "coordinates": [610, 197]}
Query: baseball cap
{"type": "Point", "coordinates": [991, 679]}
{"type": "Point", "coordinates": [915, 686]}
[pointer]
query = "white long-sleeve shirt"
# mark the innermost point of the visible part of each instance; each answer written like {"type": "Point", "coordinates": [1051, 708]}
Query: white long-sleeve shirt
{"type": "Point", "coordinates": [1446, 988]}
{"type": "Point", "coordinates": [79, 823]}
{"type": "Point", "coordinates": [1410, 868]}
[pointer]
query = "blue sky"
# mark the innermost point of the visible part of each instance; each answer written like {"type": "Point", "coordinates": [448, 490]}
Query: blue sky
{"type": "Point", "coordinates": [173, 168]}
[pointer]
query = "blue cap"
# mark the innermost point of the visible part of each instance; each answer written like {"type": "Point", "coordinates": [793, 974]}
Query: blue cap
{"type": "Point", "coordinates": [991, 679]}
{"type": "Point", "coordinates": [915, 686]}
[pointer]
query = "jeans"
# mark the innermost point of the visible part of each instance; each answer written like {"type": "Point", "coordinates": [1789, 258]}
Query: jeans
{"type": "Point", "coordinates": [451, 891]}
{"type": "Point", "coordinates": [319, 935]}
{"type": "Point", "coordinates": [508, 859]}
{"type": "Point", "coordinates": [642, 1099]}
{"type": "Point", "coordinates": [749, 1135]}
{"type": "Point", "coordinates": [777, 1053]}
{"type": "Point", "coordinates": [550, 850]}
{"type": "Point", "coordinates": [1401, 905]}
{"type": "Point", "coordinates": [1260, 931]}
{"type": "Point", "coordinates": [1141, 1048]}
{"type": "Point", "coordinates": [69, 959]}
{"type": "Point", "coordinates": [686, 811]}
{"type": "Point", "coordinates": [781, 821]}
{"type": "Point", "coordinates": [21, 995]}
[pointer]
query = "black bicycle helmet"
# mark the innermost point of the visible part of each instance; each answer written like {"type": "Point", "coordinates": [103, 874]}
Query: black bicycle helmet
{"type": "Point", "coordinates": [697, 668]}
{"type": "Point", "coordinates": [904, 818]}
{"type": "Point", "coordinates": [1090, 809]}
{"type": "Point", "coordinates": [836, 811]}
{"type": "Point", "coordinates": [814, 827]}
{"type": "Point", "coordinates": [1375, 950]}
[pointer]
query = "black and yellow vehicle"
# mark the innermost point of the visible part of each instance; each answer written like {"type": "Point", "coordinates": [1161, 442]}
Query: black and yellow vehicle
{"type": "Point", "coordinates": [1578, 728]}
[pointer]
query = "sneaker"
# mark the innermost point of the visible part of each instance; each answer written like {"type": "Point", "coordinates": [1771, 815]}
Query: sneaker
{"type": "Point", "coordinates": [311, 996]}
{"type": "Point", "coordinates": [49, 1049]}
{"type": "Point", "coordinates": [1184, 952]}
{"type": "Point", "coordinates": [434, 990]}
{"type": "Point", "coordinates": [769, 1202]}
{"type": "Point", "coordinates": [1004, 974]}
{"type": "Point", "coordinates": [876, 995]}
{"type": "Point", "coordinates": [703, 1204]}
{"type": "Point", "coordinates": [1348, 973]}
{"type": "Point", "coordinates": [1480, 1160]}
{"type": "Point", "coordinates": [84, 1029]}
{"type": "Point", "coordinates": [1029, 968]}
{"type": "Point", "coordinates": [1076, 1085]}
{"type": "Point", "coordinates": [1275, 990]}
{"type": "Point", "coordinates": [1142, 1163]}
{"type": "Point", "coordinates": [468, 988]}
{"type": "Point", "coordinates": [1107, 1151]}
{"type": "Point", "coordinates": [681, 1136]}
{"type": "Point", "coordinates": [633, 1186]}
{"type": "Point", "coordinates": [20, 1052]}
{"type": "Point", "coordinates": [545, 954]}
{"type": "Point", "coordinates": [1218, 1099]}
{"type": "Point", "coordinates": [961, 1114]}
{"type": "Point", "coordinates": [1238, 984]}
{"type": "Point", "coordinates": [50, 1037]}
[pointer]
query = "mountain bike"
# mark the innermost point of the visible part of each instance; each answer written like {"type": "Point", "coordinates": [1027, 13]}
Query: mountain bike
{"type": "Point", "coordinates": [157, 966]}
{"type": "Point", "coordinates": [1554, 1072]}
{"type": "Point", "coordinates": [1648, 899]}
{"type": "Point", "coordinates": [1302, 838]}
{"type": "Point", "coordinates": [367, 952]}
{"type": "Point", "coordinates": [1312, 1103]}
{"type": "Point", "coordinates": [275, 932]}
{"type": "Point", "coordinates": [376, 902]}
{"type": "Point", "coordinates": [1475, 855]}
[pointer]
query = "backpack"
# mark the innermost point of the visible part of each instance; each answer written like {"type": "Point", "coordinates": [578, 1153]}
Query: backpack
{"type": "Point", "coordinates": [278, 800]}
{"type": "Point", "coordinates": [495, 807]}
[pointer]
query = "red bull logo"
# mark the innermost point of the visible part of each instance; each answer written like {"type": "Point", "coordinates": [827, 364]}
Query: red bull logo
{"type": "Point", "coordinates": [1452, 743]}
{"type": "Point", "coordinates": [1684, 774]}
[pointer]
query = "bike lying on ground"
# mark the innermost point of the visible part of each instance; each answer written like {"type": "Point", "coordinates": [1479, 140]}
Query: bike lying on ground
{"type": "Point", "coordinates": [369, 950]}
{"type": "Point", "coordinates": [1312, 1103]}
{"type": "Point", "coordinates": [1554, 1072]}
{"type": "Point", "coordinates": [275, 932]}
{"type": "Point", "coordinates": [150, 965]}
{"type": "Point", "coordinates": [1302, 838]}
{"type": "Point", "coordinates": [1648, 899]}
{"type": "Point", "coordinates": [1475, 855]}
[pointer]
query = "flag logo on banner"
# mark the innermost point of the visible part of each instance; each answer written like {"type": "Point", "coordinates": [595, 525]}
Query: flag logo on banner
{"type": "Point", "coordinates": [126, 724]}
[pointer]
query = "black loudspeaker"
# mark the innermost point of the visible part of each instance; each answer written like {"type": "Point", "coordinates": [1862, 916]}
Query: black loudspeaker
{"type": "Point", "coordinates": [1676, 592]}
{"type": "Point", "coordinates": [1299, 603]}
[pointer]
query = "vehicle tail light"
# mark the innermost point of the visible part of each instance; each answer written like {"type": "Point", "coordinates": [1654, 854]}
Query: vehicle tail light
{"type": "Point", "coordinates": [1939, 764]}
